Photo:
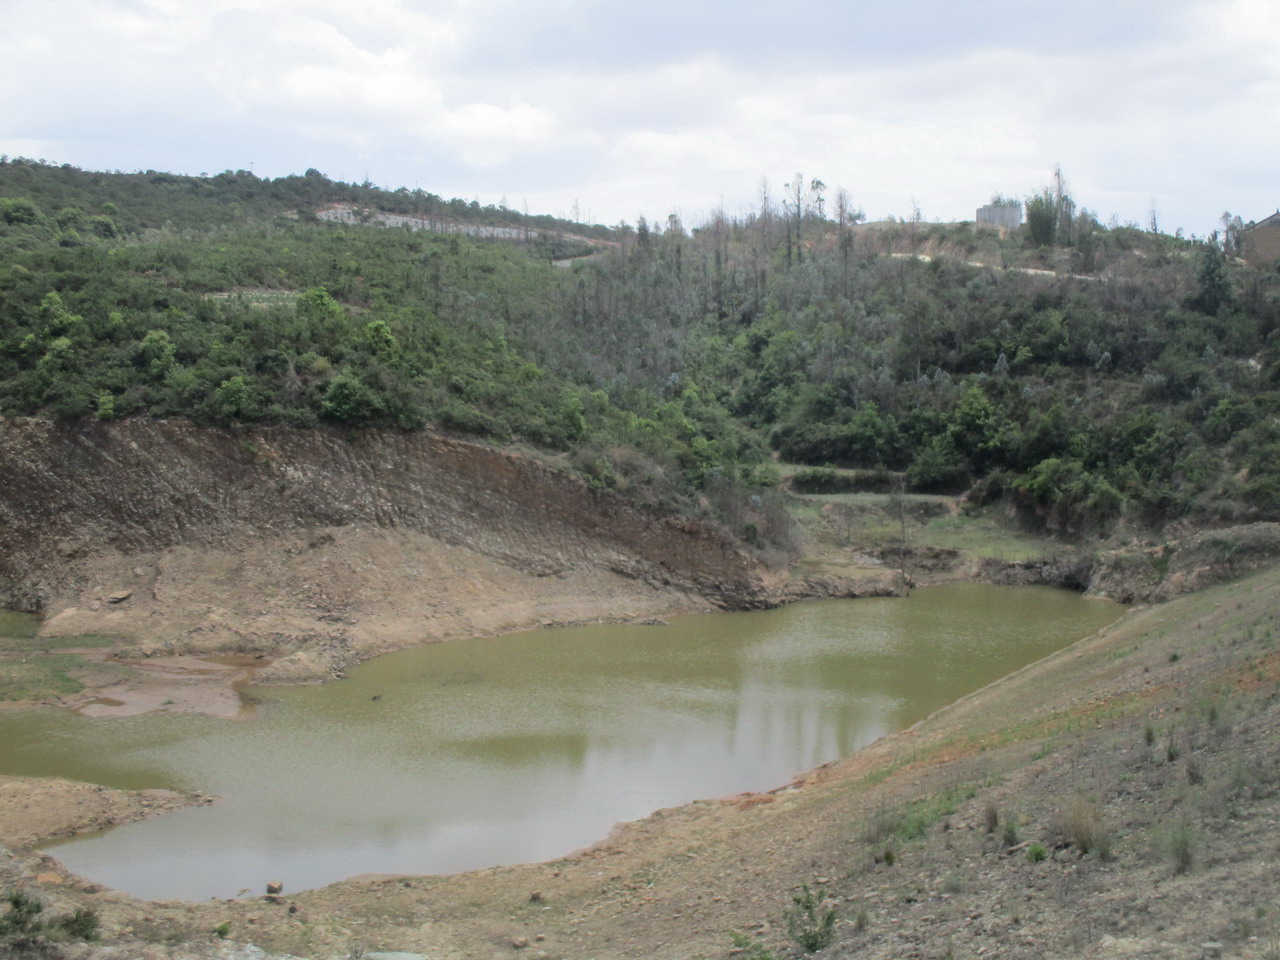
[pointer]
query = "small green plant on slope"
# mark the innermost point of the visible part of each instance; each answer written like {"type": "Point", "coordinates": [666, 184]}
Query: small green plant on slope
{"type": "Point", "coordinates": [1180, 847]}
{"type": "Point", "coordinates": [23, 915]}
{"type": "Point", "coordinates": [752, 948]}
{"type": "Point", "coordinates": [810, 926]}
{"type": "Point", "coordinates": [24, 920]}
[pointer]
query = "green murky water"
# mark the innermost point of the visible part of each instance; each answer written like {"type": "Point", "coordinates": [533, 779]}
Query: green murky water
{"type": "Point", "coordinates": [16, 624]}
{"type": "Point", "coordinates": [525, 747]}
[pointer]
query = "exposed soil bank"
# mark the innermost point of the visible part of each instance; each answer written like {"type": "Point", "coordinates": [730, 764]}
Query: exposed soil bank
{"type": "Point", "coordinates": [316, 548]}
{"type": "Point", "coordinates": [36, 809]}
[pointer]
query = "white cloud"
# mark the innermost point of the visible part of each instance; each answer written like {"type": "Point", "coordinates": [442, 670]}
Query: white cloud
{"type": "Point", "coordinates": [647, 107]}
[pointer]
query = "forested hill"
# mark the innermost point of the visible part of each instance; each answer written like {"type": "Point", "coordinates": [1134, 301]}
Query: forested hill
{"type": "Point", "coordinates": [1091, 375]}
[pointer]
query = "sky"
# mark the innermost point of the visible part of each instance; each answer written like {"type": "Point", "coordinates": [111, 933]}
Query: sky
{"type": "Point", "coordinates": [618, 109]}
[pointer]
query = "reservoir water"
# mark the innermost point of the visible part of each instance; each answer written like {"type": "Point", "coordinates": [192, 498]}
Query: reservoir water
{"type": "Point", "coordinates": [525, 747]}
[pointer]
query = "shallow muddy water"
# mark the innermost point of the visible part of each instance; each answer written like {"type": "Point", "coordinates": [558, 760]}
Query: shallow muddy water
{"type": "Point", "coordinates": [525, 747]}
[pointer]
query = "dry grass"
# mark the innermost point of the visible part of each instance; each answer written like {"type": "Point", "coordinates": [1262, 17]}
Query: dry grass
{"type": "Point", "coordinates": [1080, 823]}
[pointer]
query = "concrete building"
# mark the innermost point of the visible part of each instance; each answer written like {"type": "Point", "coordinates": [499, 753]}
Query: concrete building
{"type": "Point", "coordinates": [1007, 216]}
{"type": "Point", "coordinates": [1260, 242]}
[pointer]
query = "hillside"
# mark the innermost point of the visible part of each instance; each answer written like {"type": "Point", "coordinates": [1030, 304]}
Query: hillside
{"type": "Point", "coordinates": [1096, 378]}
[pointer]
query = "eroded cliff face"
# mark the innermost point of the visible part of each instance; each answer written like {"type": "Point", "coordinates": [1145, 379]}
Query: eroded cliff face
{"type": "Point", "coordinates": [325, 544]}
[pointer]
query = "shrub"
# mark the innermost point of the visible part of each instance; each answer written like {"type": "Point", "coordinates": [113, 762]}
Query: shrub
{"type": "Point", "coordinates": [1010, 835]}
{"type": "Point", "coordinates": [24, 925]}
{"type": "Point", "coordinates": [80, 925]}
{"type": "Point", "coordinates": [23, 916]}
{"type": "Point", "coordinates": [811, 927]}
{"type": "Point", "coordinates": [990, 816]}
{"type": "Point", "coordinates": [1036, 852]}
{"type": "Point", "coordinates": [1179, 845]}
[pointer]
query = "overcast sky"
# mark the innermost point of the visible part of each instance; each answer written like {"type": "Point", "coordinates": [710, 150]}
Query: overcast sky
{"type": "Point", "coordinates": [647, 107]}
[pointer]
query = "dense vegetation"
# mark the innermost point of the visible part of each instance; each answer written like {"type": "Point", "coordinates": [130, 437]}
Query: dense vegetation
{"type": "Point", "coordinates": [1091, 375]}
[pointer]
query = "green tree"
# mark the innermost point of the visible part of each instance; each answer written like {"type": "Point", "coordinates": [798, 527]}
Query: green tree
{"type": "Point", "coordinates": [156, 353]}
{"type": "Point", "coordinates": [1214, 292]}
{"type": "Point", "coordinates": [1042, 218]}
{"type": "Point", "coordinates": [19, 210]}
{"type": "Point", "coordinates": [349, 400]}
{"type": "Point", "coordinates": [235, 399]}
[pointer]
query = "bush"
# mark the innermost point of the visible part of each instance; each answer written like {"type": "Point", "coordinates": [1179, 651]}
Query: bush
{"type": "Point", "coordinates": [829, 480]}
{"type": "Point", "coordinates": [23, 916]}
{"type": "Point", "coordinates": [24, 927]}
{"type": "Point", "coordinates": [990, 816]}
{"type": "Point", "coordinates": [1010, 834]}
{"type": "Point", "coordinates": [80, 925]}
{"type": "Point", "coordinates": [464, 418]}
{"type": "Point", "coordinates": [348, 400]}
{"type": "Point", "coordinates": [1036, 852]}
{"type": "Point", "coordinates": [811, 927]}
{"type": "Point", "coordinates": [1179, 845]}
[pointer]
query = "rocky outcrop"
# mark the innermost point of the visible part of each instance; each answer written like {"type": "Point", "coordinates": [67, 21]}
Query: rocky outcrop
{"type": "Point", "coordinates": [1152, 573]}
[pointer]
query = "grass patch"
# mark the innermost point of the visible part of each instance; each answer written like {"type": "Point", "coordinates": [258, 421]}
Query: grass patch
{"type": "Point", "coordinates": [1081, 824]}
{"type": "Point", "coordinates": [916, 819]}
{"type": "Point", "coordinates": [40, 667]}
{"type": "Point", "coordinates": [84, 641]}
{"type": "Point", "coordinates": [981, 535]}
{"type": "Point", "coordinates": [752, 949]}
{"type": "Point", "coordinates": [38, 676]}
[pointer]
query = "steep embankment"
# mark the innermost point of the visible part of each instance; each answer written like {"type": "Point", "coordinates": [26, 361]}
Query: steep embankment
{"type": "Point", "coordinates": [319, 547]}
